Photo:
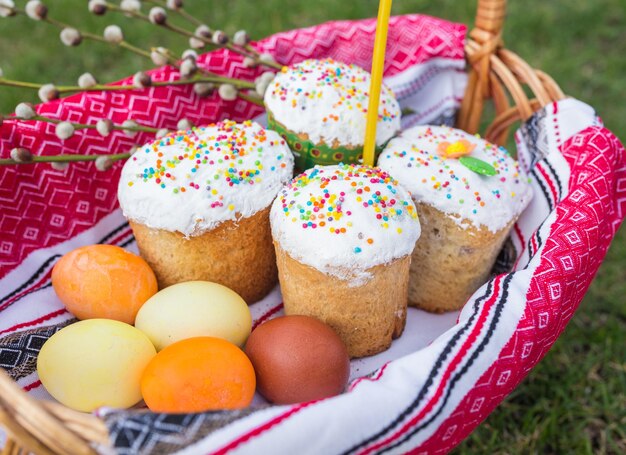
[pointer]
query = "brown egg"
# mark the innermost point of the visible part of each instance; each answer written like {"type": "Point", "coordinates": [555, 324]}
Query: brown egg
{"type": "Point", "coordinates": [298, 358]}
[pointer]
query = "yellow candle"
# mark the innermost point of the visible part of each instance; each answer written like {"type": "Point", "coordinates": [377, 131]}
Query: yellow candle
{"type": "Point", "coordinates": [378, 64]}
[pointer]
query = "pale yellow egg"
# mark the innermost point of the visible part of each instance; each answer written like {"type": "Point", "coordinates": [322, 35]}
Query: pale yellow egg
{"type": "Point", "coordinates": [94, 363]}
{"type": "Point", "coordinates": [194, 309]}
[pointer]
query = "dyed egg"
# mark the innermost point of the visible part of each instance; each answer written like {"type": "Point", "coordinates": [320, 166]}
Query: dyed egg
{"type": "Point", "coordinates": [193, 309]}
{"type": "Point", "coordinates": [198, 374]}
{"type": "Point", "coordinates": [103, 281]}
{"type": "Point", "coordinates": [95, 363]}
{"type": "Point", "coordinates": [298, 358]}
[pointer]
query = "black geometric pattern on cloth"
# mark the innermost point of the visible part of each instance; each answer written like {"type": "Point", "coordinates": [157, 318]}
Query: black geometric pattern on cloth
{"type": "Point", "coordinates": [535, 134]}
{"type": "Point", "coordinates": [132, 432]}
{"type": "Point", "coordinates": [458, 375]}
{"type": "Point", "coordinates": [506, 259]}
{"type": "Point", "coordinates": [19, 350]}
{"type": "Point", "coordinates": [137, 433]}
{"type": "Point", "coordinates": [439, 363]}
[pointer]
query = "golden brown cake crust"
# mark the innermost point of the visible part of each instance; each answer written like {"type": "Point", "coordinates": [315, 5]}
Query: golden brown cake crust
{"type": "Point", "coordinates": [238, 255]}
{"type": "Point", "coordinates": [366, 317]}
{"type": "Point", "coordinates": [450, 263]}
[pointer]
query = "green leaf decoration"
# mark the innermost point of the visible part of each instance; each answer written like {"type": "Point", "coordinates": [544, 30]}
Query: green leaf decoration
{"type": "Point", "coordinates": [479, 166]}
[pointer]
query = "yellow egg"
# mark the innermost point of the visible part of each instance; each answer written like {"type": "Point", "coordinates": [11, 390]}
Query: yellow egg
{"type": "Point", "coordinates": [194, 309]}
{"type": "Point", "coordinates": [94, 363]}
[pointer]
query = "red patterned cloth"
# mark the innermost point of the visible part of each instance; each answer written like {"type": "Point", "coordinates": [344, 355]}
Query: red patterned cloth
{"type": "Point", "coordinates": [438, 385]}
{"type": "Point", "coordinates": [42, 206]}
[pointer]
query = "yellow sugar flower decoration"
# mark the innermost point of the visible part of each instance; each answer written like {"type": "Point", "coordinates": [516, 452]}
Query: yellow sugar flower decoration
{"type": "Point", "coordinates": [456, 149]}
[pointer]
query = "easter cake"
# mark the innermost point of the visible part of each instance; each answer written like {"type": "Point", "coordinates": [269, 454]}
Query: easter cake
{"type": "Point", "coordinates": [320, 108]}
{"type": "Point", "coordinates": [198, 202]}
{"type": "Point", "coordinates": [344, 236]}
{"type": "Point", "coordinates": [468, 194]}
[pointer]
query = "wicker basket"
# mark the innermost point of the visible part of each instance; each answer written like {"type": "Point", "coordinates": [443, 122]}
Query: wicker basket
{"type": "Point", "coordinates": [495, 73]}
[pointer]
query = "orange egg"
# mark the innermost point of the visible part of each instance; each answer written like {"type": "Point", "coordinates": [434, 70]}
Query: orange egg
{"type": "Point", "coordinates": [103, 281]}
{"type": "Point", "coordinates": [198, 374]}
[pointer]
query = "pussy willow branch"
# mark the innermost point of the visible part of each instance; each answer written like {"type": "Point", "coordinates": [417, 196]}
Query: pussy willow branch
{"type": "Point", "coordinates": [251, 98]}
{"type": "Point", "coordinates": [246, 52]}
{"type": "Point", "coordinates": [197, 22]}
{"type": "Point", "coordinates": [99, 87]}
{"type": "Point", "coordinates": [65, 159]}
{"type": "Point", "coordinates": [180, 11]}
{"type": "Point", "coordinates": [83, 126]}
{"type": "Point", "coordinates": [174, 62]}
{"type": "Point", "coordinates": [124, 44]}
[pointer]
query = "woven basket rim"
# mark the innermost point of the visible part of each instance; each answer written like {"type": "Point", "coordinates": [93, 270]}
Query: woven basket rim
{"type": "Point", "coordinates": [494, 73]}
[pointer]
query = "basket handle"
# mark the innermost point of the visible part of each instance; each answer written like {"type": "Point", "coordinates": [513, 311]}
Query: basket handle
{"type": "Point", "coordinates": [490, 15]}
{"type": "Point", "coordinates": [499, 74]}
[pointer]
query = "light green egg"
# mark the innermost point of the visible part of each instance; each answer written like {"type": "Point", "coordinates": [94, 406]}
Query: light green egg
{"type": "Point", "coordinates": [95, 363]}
{"type": "Point", "coordinates": [194, 309]}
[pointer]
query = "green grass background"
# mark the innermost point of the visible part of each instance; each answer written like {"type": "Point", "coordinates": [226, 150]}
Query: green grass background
{"type": "Point", "coordinates": [574, 401]}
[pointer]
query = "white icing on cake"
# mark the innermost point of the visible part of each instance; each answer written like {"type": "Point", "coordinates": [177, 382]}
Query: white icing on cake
{"type": "Point", "coordinates": [328, 100]}
{"type": "Point", "coordinates": [449, 186]}
{"type": "Point", "coordinates": [191, 181]}
{"type": "Point", "coordinates": [342, 220]}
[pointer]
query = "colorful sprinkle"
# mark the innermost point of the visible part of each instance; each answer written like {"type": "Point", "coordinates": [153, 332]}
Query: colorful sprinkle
{"type": "Point", "coordinates": [458, 173]}
{"type": "Point", "coordinates": [325, 208]}
{"type": "Point", "coordinates": [211, 160]}
{"type": "Point", "coordinates": [350, 82]}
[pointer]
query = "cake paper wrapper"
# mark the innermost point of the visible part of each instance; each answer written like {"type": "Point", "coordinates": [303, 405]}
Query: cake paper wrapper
{"type": "Point", "coordinates": [308, 154]}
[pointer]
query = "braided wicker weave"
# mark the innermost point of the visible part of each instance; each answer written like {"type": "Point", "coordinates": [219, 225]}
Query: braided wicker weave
{"type": "Point", "coordinates": [494, 73]}
{"type": "Point", "coordinates": [498, 73]}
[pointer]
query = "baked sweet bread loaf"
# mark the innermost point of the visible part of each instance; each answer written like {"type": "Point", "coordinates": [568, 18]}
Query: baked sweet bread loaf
{"type": "Point", "coordinates": [320, 108]}
{"type": "Point", "coordinates": [198, 202]}
{"type": "Point", "coordinates": [344, 237]}
{"type": "Point", "coordinates": [466, 214]}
